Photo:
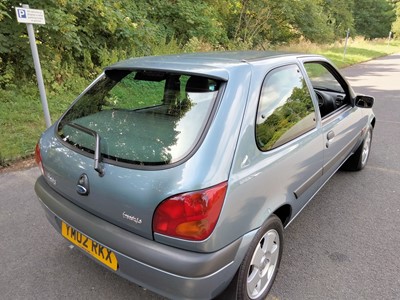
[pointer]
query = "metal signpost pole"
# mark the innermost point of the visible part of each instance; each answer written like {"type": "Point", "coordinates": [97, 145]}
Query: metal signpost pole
{"type": "Point", "coordinates": [345, 45]}
{"type": "Point", "coordinates": [389, 38]}
{"type": "Point", "coordinates": [38, 70]}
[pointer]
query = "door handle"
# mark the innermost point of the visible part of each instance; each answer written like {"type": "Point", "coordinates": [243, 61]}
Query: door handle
{"type": "Point", "coordinates": [330, 135]}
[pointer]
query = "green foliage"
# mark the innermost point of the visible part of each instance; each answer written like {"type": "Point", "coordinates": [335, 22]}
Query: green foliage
{"type": "Point", "coordinates": [340, 16]}
{"type": "Point", "coordinates": [257, 23]}
{"type": "Point", "coordinates": [373, 18]}
{"type": "Point", "coordinates": [185, 19]}
{"type": "Point", "coordinates": [3, 13]}
{"type": "Point", "coordinates": [396, 24]}
{"type": "Point", "coordinates": [316, 26]}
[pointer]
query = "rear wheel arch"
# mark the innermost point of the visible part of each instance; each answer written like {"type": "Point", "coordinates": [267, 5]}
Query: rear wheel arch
{"type": "Point", "coordinates": [281, 215]}
{"type": "Point", "coordinates": [260, 265]}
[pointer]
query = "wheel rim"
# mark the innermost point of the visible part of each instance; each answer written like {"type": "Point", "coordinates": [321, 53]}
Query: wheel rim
{"type": "Point", "coordinates": [366, 148]}
{"type": "Point", "coordinates": [263, 264]}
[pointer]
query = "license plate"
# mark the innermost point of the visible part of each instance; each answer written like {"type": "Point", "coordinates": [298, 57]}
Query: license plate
{"type": "Point", "coordinates": [98, 251]}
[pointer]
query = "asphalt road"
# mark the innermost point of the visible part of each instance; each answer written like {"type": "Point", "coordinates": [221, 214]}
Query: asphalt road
{"type": "Point", "coordinates": [344, 245]}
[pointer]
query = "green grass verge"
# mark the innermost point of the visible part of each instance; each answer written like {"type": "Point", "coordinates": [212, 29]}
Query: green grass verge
{"type": "Point", "coordinates": [22, 118]}
{"type": "Point", "coordinates": [21, 115]}
{"type": "Point", "coordinates": [357, 51]}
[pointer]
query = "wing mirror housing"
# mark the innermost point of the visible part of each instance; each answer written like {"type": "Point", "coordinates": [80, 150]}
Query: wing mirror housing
{"type": "Point", "coordinates": [364, 101]}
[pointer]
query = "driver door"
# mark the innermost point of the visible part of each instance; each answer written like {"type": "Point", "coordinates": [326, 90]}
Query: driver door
{"type": "Point", "coordinates": [340, 120]}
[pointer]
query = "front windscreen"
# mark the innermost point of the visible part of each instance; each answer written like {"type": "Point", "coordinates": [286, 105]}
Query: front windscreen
{"type": "Point", "coordinates": [141, 117]}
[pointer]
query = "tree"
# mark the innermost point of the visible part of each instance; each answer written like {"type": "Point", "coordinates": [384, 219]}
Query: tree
{"type": "Point", "coordinates": [396, 24]}
{"type": "Point", "coordinates": [185, 19]}
{"type": "Point", "coordinates": [259, 22]}
{"type": "Point", "coordinates": [373, 18]}
{"type": "Point", "coordinates": [340, 16]}
{"type": "Point", "coordinates": [312, 21]}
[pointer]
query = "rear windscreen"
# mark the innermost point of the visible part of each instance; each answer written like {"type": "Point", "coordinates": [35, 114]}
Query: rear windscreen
{"type": "Point", "coordinates": [141, 117]}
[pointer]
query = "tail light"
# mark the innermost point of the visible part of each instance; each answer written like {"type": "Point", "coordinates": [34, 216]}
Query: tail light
{"type": "Point", "coordinates": [38, 158]}
{"type": "Point", "coordinates": [190, 216]}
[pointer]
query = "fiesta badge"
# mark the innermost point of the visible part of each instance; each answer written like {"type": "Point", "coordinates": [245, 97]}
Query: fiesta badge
{"type": "Point", "coordinates": [83, 185]}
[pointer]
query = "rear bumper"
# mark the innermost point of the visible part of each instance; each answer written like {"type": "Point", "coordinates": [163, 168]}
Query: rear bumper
{"type": "Point", "coordinates": [168, 271]}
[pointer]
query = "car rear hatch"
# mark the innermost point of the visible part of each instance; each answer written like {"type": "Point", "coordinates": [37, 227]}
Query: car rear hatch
{"type": "Point", "coordinates": [120, 148]}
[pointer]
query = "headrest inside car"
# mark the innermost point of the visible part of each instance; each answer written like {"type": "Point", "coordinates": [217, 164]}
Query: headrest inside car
{"type": "Point", "coordinates": [197, 84]}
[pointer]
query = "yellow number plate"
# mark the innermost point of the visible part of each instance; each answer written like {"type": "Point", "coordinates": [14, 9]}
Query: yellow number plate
{"type": "Point", "coordinates": [101, 253]}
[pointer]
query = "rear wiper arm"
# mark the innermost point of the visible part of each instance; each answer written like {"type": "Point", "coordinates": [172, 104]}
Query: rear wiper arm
{"type": "Point", "coordinates": [97, 153]}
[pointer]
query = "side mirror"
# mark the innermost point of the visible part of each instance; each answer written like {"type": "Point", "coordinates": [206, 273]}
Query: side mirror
{"type": "Point", "coordinates": [364, 101]}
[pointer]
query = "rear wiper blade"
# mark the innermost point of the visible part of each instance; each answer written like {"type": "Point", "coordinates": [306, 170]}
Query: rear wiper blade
{"type": "Point", "coordinates": [97, 153]}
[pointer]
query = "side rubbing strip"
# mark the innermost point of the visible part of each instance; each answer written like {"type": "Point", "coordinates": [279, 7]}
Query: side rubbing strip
{"type": "Point", "coordinates": [307, 184]}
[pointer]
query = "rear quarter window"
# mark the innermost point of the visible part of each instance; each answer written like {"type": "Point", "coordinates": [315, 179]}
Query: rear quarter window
{"type": "Point", "coordinates": [285, 109]}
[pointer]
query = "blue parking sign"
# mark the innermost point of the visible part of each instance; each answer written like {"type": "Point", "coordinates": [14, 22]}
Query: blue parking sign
{"type": "Point", "coordinates": [21, 13]}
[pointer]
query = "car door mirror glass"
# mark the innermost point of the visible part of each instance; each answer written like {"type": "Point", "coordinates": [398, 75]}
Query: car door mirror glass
{"type": "Point", "coordinates": [364, 101]}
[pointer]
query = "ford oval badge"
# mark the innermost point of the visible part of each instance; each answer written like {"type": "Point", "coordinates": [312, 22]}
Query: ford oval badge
{"type": "Point", "coordinates": [83, 185]}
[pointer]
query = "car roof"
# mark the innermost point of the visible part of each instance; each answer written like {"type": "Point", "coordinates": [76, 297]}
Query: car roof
{"type": "Point", "coordinates": [216, 64]}
{"type": "Point", "coordinates": [219, 57]}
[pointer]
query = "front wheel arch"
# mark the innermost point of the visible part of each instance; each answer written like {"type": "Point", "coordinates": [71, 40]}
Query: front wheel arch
{"type": "Point", "coordinates": [358, 160]}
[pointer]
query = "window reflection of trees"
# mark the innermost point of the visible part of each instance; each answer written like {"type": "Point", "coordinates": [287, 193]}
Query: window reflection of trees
{"type": "Point", "coordinates": [137, 121]}
{"type": "Point", "coordinates": [279, 127]}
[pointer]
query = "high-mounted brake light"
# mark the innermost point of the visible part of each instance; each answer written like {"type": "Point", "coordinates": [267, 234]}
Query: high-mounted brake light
{"type": "Point", "coordinates": [190, 216]}
{"type": "Point", "coordinates": [38, 158]}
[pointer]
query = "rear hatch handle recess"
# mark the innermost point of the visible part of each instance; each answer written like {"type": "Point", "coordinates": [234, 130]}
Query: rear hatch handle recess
{"type": "Point", "coordinates": [97, 153]}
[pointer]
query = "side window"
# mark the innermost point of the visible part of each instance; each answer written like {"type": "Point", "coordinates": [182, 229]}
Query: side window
{"type": "Point", "coordinates": [329, 92]}
{"type": "Point", "coordinates": [285, 109]}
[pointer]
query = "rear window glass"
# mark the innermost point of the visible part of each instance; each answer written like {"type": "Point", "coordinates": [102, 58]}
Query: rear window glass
{"type": "Point", "coordinates": [141, 117]}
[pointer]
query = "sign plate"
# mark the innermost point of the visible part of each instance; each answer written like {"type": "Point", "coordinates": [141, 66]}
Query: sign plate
{"type": "Point", "coordinates": [30, 16]}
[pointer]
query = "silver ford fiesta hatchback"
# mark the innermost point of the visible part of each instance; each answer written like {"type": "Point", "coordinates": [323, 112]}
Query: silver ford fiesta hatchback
{"type": "Point", "coordinates": [180, 172]}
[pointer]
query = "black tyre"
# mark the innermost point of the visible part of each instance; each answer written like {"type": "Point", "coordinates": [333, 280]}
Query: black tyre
{"type": "Point", "coordinates": [261, 262]}
{"type": "Point", "coordinates": [359, 159]}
